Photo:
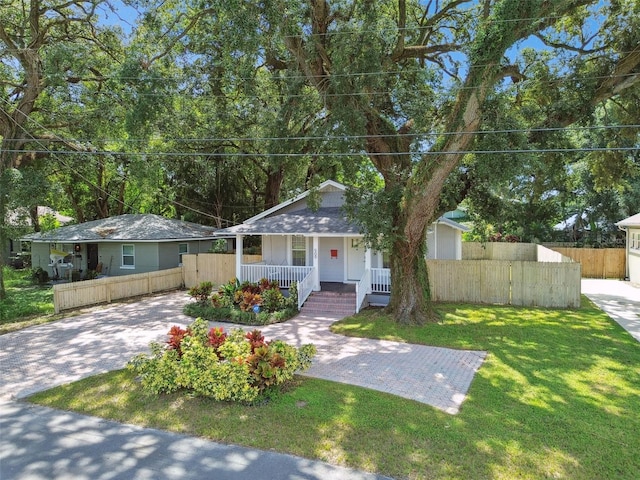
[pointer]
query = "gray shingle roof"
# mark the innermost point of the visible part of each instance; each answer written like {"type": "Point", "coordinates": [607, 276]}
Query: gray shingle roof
{"type": "Point", "coordinates": [128, 228]}
{"type": "Point", "coordinates": [330, 220]}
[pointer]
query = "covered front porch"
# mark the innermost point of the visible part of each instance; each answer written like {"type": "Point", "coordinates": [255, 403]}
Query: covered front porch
{"type": "Point", "coordinates": [349, 264]}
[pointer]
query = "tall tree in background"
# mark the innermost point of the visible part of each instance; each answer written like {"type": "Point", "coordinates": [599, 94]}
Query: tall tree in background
{"type": "Point", "coordinates": [40, 43]}
{"type": "Point", "coordinates": [414, 79]}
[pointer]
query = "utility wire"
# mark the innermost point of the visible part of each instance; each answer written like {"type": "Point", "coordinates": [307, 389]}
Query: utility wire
{"type": "Point", "coordinates": [327, 154]}
{"type": "Point", "coordinates": [352, 137]}
{"type": "Point", "coordinates": [56, 154]}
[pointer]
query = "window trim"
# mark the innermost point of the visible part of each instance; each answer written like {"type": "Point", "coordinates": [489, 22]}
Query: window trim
{"type": "Point", "coordinates": [180, 254]}
{"type": "Point", "coordinates": [132, 255]}
{"type": "Point", "coordinates": [298, 248]}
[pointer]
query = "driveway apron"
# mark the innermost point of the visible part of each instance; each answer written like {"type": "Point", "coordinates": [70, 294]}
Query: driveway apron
{"type": "Point", "coordinates": [620, 300]}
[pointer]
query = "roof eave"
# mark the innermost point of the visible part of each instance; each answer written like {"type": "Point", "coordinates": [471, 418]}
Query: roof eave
{"type": "Point", "coordinates": [286, 203]}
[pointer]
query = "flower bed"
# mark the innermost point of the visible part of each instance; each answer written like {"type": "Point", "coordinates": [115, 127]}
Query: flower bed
{"type": "Point", "coordinates": [244, 303]}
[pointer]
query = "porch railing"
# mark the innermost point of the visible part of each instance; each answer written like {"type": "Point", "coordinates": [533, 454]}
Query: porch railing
{"type": "Point", "coordinates": [305, 286]}
{"type": "Point", "coordinates": [381, 280]}
{"type": "Point", "coordinates": [283, 274]}
{"type": "Point", "coordinates": [362, 288]}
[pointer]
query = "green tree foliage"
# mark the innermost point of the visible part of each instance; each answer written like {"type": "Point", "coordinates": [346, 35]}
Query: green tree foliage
{"type": "Point", "coordinates": [411, 84]}
{"type": "Point", "coordinates": [42, 45]}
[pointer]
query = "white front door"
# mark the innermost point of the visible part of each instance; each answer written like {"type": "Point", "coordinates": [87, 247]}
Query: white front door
{"type": "Point", "coordinates": [331, 260]}
{"type": "Point", "coordinates": [355, 259]}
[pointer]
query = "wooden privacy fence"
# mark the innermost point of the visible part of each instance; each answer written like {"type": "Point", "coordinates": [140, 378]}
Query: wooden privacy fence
{"type": "Point", "coordinates": [105, 290]}
{"type": "Point", "coordinates": [597, 262]}
{"type": "Point", "coordinates": [524, 283]}
{"type": "Point", "coordinates": [499, 251]}
{"type": "Point", "coordinates": [217, 268]}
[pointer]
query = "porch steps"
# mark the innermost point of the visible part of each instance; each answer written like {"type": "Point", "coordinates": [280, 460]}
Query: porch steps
{"type": "Point", "coordinates": [330, 303]}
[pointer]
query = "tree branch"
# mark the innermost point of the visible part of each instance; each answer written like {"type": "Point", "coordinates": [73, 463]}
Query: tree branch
{"type": "Point", "coordinates": [565, 46]}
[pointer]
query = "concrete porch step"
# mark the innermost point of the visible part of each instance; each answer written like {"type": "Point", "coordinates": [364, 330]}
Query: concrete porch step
{"type": "Point", "coordinates": [330, 303]}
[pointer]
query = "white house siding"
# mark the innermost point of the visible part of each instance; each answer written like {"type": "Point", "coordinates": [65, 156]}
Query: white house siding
{"type": "Point", "coordinates": [274, 249]}
{"type": "Point", "coordinates": [448, 242]}
{"type": "Point", "coordinates": [40, 255]}
{"type": "Point", "coordinates": [634, 257]}
{"type": "Point", "coordinates": [329, 199]}
{"type": "Point", "coordinates": [331, 269]}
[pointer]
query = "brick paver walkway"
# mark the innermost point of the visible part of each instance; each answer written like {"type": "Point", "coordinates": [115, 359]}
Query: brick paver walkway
{"type": "Point", "coordinates": [104, 339]}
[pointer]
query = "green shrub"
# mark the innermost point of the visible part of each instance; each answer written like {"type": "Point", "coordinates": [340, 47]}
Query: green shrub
{"type": "Point", "coordinates": [40, 276]}
{"type": "Point", "coordinates": [234, 302]}
{"type": "Point", "coordinates": [292, 299]}
{"type": "Point", "coordinates": [237, 366]}
{"type": "Point", "coordinates": [228, 291]}
{"type": "Point", "coordinates": [201, 292]}
{"type": "Point", "coordinates": [233, 315]}
{"type": "Point", "coordinates": [272, 300]}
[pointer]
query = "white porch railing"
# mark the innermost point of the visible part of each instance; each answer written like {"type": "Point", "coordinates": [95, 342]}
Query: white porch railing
{"type": "Point", "coordinates": [284, 274]}
{"type": "Point", "coordinates": [381, 280]}
{"type": "Point", "coordinates": [362, 288]}
{"type": "Point", "coordinates": [305, 287]}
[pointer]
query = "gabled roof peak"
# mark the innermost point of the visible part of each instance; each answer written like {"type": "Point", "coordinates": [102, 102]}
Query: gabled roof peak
{"type": "Point", "coordinates": [326, 186]}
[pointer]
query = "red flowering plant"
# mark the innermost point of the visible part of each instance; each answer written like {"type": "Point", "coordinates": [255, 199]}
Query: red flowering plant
{"type": "Point", "coordinates": [176, 335]}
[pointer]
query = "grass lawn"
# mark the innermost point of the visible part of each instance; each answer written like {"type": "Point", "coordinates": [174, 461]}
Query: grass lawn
{"type": "Point", "coordinates": [26, 303]}
{"type": "Point", "coordinates": [557, 397]}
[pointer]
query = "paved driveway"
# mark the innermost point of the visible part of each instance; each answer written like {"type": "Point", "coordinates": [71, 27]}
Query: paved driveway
{"type": "Point", "coordinates": [620, 300]}
{"type": "Point", "coordinates": [41, 357]}
{"type": "Point", "coordinates": [41, 443]}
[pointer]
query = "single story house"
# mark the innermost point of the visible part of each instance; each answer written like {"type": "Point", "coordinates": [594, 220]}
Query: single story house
{"type": "Point", "coordinates": [314, 246]}
{"type": "Point", "coordinates": [120, 245]}
{"type": "Point", "coordinates": [20, 220]}
{"type": "Point", "coordinates": [631, 226]}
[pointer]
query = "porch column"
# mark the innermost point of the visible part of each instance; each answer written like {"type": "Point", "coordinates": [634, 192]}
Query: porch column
{"type": "Point", "coordinates": [367, 267]}
{"type": "Point", "coordinates": [316, 264]}
{"type": "Point", "coordinates": [239, 249]}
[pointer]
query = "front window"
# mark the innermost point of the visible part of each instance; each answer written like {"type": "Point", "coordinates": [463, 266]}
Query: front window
{"type": "Point", "coordinates": [635, 241]}
{"type": "Point", "coordinates": [183, 248]}
{"type": "Point", "coordinates": [128, 256]}
{"type": "Point", "coordinates": [298, 251]}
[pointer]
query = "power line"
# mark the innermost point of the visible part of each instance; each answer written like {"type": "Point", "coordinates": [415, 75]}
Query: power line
{"type": "Point", "coordinates": [327, 154]}
{"type": "Point", "coordinates": [350, 137]}
{"type": "Point", "coordinates": [89, 182]}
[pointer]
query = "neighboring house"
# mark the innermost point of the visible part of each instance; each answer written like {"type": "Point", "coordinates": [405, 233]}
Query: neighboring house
{"type": "Point", "coordinates": [121, 245]}
{"type": "Point", "coordinates": [632, 226]}
{"type": "Point", "coordinates": [20, 220]}
{"type": "Point", "coordinates": [314, 246]}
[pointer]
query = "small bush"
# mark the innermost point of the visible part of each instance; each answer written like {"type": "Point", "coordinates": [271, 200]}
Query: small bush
{"type": "Point", "coordinates": [292, 299]}
{"type": "Point", "coordinates": [201, 292]}
{"type": "Point", "coordinates": [228, 291]}
{"type": "Point", "coordinates": [249, 300]}
{"type": "Point", "coordinates": [272, 300]}
{"type": "Point", "coordinates": [40, 276]}
{"type": "Point", "coordinates": [211, 363]}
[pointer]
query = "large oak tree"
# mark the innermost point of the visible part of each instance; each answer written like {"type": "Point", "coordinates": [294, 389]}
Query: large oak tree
{"type": "Point", "coordinates": [43, 43]}
{"type": "Point", "coordinates": [410, 82]}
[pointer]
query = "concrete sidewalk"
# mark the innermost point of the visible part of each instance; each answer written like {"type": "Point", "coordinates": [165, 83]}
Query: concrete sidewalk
{"type": "Point", "coordinates": [620, 300]}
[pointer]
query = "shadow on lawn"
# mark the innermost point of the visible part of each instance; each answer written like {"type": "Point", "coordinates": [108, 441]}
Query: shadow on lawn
{"type": "Point", "coordinates": [557, 396]}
